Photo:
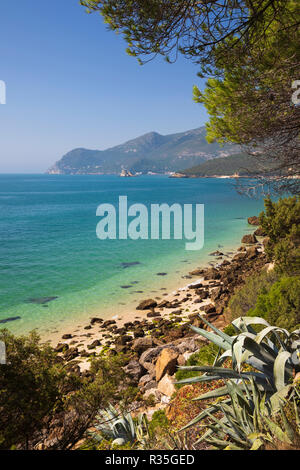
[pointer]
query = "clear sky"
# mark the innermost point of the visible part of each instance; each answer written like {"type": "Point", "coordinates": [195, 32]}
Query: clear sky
{"type": "Point", "coordinates": [71, 84]}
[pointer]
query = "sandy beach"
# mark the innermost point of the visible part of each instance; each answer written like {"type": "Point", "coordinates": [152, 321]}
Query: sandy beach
{"type": "Point", "coordinates": [89, 338]}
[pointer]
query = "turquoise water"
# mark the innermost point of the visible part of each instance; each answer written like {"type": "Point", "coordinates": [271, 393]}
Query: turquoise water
{"type": "Point", "coordinates": [49, 247]}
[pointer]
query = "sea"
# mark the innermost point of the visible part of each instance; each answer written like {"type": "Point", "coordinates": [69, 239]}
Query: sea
{"type": "Point", "coordinates": [55, 271]}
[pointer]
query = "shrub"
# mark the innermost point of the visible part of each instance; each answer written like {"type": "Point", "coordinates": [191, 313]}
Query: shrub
{"type": "Point", "coordinates": [246, 297]}
{"type": "Point", "coordinates": [280, 306]}
{"type": "Point", "coordinates": [281, 222]}
{"type": "Point", "coordinates": [159, 421]}
{"type": "Point", "coordinates": [205, 356]}
{"type": "Point", "coordinates": [39, 397]}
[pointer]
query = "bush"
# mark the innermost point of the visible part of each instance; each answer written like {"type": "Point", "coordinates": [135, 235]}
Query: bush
{"type": "Point", "coordinates": [205, 356]}
{"type": "Point", "coordinates": [280, 306]}
{"type": "Point", "coordinates": [39, 397]}
{"type": "Point", "coordinates": [159, 421]}
{"type": "Point", "coordinates": [281, 222]}
{"type": "Point", "coordinates": [246, 297]}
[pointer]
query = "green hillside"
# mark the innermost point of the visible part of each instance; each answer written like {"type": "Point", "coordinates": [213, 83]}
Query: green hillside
{"type": "Point", "coordinates": [150, 152]}
{"type": "Point", "coordinates": [240, 164]}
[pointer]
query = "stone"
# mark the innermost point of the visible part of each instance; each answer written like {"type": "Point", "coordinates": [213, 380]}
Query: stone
{"type": "Point", "coordinates": [254, 220]}
{"type": "Point", "coordinates": [197, 272]}
{"type": "Point", "coordinates": [142, 344]}
{"type": "Point", "coordinates": [96, 320]}
{"type": "Point", "coordinates": [134, 370]}
{"type": "Point", "coordinates": [139, 333]}
{"type": "Point", "coordinates": [166, 363]}
{"type": "Point", "coordinates": [71, 354]}
{"type": "Point", "coordinates": [210, 308]}
{"type": "Point", "coordinates": [259, 232]}
{"type": "Point", "coordinates": [67, 336]}
{"type": "Point", "coordinates": [249, 239]}
{"type": "Point", "coordinates": [61, 347]}
{"type": "Point", "coordinates": [123, 339]}
{"type": "Point", "coordinates": [153, 314]}
{"type": "Point", "coordinates": [94, 344]}
{"type": "Point", "coordinates": [252, 252]}
{"type": "Point", "coordinates": [108, 323]}
{"type": "Point", "coordinates": [166, 386]}
{"type": "Point", "coordinates": [147, 304]}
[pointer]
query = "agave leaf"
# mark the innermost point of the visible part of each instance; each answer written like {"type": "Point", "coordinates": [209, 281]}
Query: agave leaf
{"type": "Point", "coordinates": [277, 431]}
{"type": "Point", "coordinates": [201, 378]}
{"type": "Point", "coordinates": [258, 350]}
{"type": "Point", "coordinates": [279, 397]}
{"type": "Point", "coordinates": [217, 340]}
{"type": "Point", "coordinates": [228, 339]}
{"type": "Point", "coordinates": [199, 417]}
{"type": "Point", "coordinates": [275, 330]}
{"type": "Point", "coordinates": [288, 428]}
{"type": "Point", "coordinates": [217, 393]}
{"type": "Point", "coordinates": [249, 321]}
{"type": "Point", "coordinates": [257, 444]}
{"type": "Point", "coordinates": [280, 369]}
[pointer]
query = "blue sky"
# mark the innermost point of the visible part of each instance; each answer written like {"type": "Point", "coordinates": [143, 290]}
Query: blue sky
{"type": "Point", "coordinates": [71, 84]}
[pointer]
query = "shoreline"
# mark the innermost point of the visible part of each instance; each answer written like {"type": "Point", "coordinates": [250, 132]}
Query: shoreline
{"type": "Point", "coordinates": [128, 313]}
{"type": "Point", "coordinates": [78, 343]}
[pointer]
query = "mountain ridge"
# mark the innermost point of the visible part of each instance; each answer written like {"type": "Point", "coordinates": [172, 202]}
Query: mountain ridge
{"type": "Point", "coordinates": [150, 152]}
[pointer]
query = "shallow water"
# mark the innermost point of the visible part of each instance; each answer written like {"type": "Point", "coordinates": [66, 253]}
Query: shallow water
{"type": "Point", "coordinates": [54, 269]}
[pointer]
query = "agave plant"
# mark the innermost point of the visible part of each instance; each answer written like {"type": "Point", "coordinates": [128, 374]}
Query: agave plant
{"type": "Point", "coordinates": [249, 421]}
{"type": "Point", "coordinates": [273, 354]}
{"type": "Point", "coordinates": [121, 428]}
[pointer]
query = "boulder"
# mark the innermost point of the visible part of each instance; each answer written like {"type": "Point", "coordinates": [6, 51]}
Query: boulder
{"type": "Point", "coordinates": [61, 347]}
{"type": "Point", "coordinates": [166, 363]}
{"type": "Point", "coordinates": [252, 252]}
{"type": "Point", "coordinates": [153, 314]}
{"type": "Point", "coordinates": [123, 339]}
{"type": "Point", "coordinates": [142, 344]}
{"type": "Point", "coordinates": [166, 386]}
{"type": "Point", "coordinates": [197, 272]}
{"type": "Point", "coordinates": [134, 370]}
{"type": "Point", "coordinates": [254, 220]}
{"type": "Point", "coordinates": [210, 308]}
{"type": "Point", "coordinates": [71, 354]}
{"type": "Point", "coordinates": [259, 232]}
{"type": "Point", "coordinates": [139, 333]}
{"type": "Point", "coordinates": [94, 344]}
{"type": "Point", "coordinates": [147, 304]}
{"type": "Point", "coordinates": [249, 239]}
{"type": "Point", "coordinates": [96, 320]}
{"type": "Point", "coordinates": [67, 336]}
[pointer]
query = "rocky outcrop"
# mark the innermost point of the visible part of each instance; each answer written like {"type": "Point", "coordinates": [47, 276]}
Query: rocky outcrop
{"type": "Point", "coordinates": [254, 220]}
{"type": "Point", "coordinates": [147, 304]}
{"type": "Point", "coordinates": [249, 239]}
{"type": "Point", "coordinates": [166, 363]}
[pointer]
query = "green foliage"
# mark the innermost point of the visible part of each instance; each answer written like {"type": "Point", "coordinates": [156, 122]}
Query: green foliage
{"type": "Point", "coordinates": [30, 388]}
{"type": "Point", "coordinates": [39, 397]}
{"type": "Point", "coordinates": [239, 164]}
{"type": "Point", "coordinates": [281, 223]}
{"type": "Point", "coordinates": [249, 422]}
{"type": "Point", "coordinates": [246, 297]}
{"type": "Point", "coordinates": [274, 359]}
{"type": "Point", "coordinates": [280, 306]}
{"type": "Point", "coordinates": [158, 422]}
{"type": "Point", "coordinates": [205, 356]}
{"type": "Point", "coordinates": [273, 355]}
